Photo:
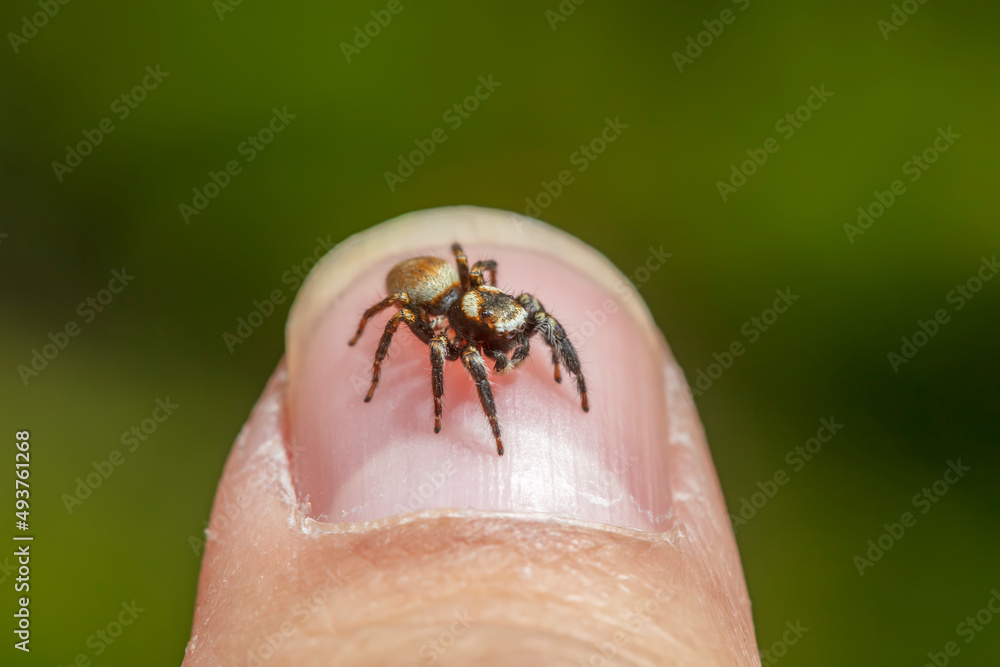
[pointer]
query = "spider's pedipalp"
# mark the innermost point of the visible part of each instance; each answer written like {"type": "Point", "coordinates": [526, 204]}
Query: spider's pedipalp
{"type": "Point", "coordinates": [503, 364]}
{"type": "Point", "coordinates": [521, 351]}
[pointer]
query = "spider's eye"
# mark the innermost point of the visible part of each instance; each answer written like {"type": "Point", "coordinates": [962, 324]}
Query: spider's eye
{"type": "Point", "coordinates": [486, 313]}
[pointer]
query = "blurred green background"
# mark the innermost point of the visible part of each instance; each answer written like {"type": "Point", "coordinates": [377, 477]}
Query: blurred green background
{"type": "Point", "coordinates": [323, 176]}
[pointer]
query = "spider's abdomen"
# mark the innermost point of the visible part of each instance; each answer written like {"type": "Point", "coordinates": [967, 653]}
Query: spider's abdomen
{"type": "Point", "coordinates": [430, 282]}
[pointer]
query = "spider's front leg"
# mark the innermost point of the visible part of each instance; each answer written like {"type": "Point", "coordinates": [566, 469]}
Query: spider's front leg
{"type": "Point", "coordinates": [476, 274]}
{"type": "Point", "coordinates": [474, 363]}
{"type": "Point", "coordinates": [473, 278]}
{"type": "Point", "coordinates": [417, 321]}
{"type": "Point", "coordinates": [401, 298]}
{"type": "Point", "coordinates": [555, 336]}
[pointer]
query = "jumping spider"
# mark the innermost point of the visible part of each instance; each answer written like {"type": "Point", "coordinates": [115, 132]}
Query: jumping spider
{"type": "Point", "coordinates": [481, 319]}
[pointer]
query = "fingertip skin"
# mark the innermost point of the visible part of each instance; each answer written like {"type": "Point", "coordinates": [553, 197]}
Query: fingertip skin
{"type": "Point", "coordinates": [536, 590]}
{"type": "Point", "coordinates": [385, 525]}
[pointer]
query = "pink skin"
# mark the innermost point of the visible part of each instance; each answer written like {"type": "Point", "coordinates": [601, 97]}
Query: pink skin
{"type": "Point", "coordinates": [351, 533]}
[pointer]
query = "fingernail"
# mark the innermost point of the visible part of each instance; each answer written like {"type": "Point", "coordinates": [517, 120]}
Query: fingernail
{"type": "Point", "coordinates": [355, 461]}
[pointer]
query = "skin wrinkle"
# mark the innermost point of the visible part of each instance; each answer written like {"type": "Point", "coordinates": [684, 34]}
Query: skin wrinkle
{"type": "Point", "coordinates": [376, 560]}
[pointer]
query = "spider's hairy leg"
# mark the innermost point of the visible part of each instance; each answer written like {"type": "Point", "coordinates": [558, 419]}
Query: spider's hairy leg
{"type": "Point", "coordinates": [463, 266]}
{"type": "Point", "coordinates": [473, 278]}
{"type": "Point", "coordinates": [480, 267]}
{"type": "Point", "coordinates": [400, 298]}
{"type": "Point", "coordinates": [418, 325]}
{"type": "Point", "coordinates": [474, 363]}
{"type": "Point", "coordinates": [555, 336]}
{"type": "Point", "coordinates": [533, 305]}
{"type": "Point", "coordinates": [441, 349]}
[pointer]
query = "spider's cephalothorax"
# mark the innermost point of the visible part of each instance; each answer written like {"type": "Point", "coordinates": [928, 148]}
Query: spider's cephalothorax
{"type": "Point", "coordinates": [482, 319]}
